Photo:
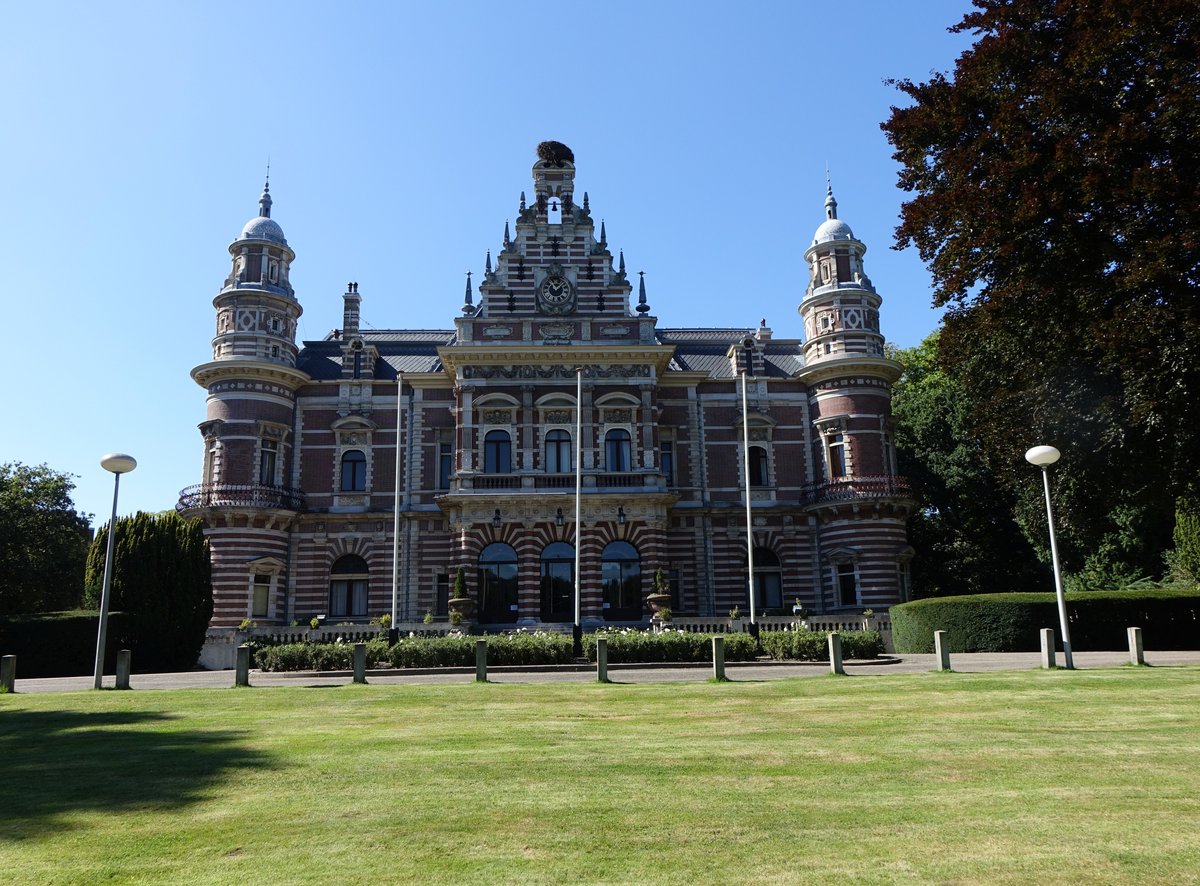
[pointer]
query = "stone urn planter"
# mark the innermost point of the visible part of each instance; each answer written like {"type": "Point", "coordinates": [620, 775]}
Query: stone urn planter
{"type": "Point", "coordinates": [658, 601]}
{"type": "Point", "coordinates": [464, 606]}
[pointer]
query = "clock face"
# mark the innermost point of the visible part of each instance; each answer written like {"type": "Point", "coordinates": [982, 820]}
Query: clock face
{"type": "Point", "coordinates": [556, 291]}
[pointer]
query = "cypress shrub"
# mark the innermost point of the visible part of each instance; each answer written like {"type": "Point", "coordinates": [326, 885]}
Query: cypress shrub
{"type": "Point", "coordinates": [1169, 618]}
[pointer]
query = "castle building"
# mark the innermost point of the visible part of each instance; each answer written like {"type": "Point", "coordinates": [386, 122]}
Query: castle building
{"type": "Point", "coordinates": [380, 461]}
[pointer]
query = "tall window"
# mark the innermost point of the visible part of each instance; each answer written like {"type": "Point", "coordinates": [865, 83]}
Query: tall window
{"type": "Point", "coordinates": [445, 465]}
{"type": "Point", "coordinates": [498, 584]}
{"type": "Point", "coordinates": [261, 604]}
{"type": "Point", "coordinates": [768, 580]}
{"type": "Point", "coordinates": [847, 583]}
{"type": "Point", "coordinates": [348, 584]}
{"type": "Point", "coordinates": [268, 457]}
{"type": "Point", "coordinates": [621, 575]}
{"type": "Point", "coordinates": [837, 457]}
{"type": "Point", "coordinates": [616, 450]}
{"type": "Point", "coordinates": [354, 471]}
{"type": "Point", "coordinates": [759, 475]}
{"type": "Point", "coordinates": [666, 460]}
{"type": "Point", "coordinates": [497, 453]}
{"type": "Point", "coordinates": [558, 452]}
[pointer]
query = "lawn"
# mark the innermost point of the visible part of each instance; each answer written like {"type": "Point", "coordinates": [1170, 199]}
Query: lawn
{"type": "Point", "coordinates": [1022, 777]}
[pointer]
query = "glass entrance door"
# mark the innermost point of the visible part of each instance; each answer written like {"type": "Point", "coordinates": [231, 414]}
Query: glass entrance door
{"type": "Point", "coordinates": [558, 582]}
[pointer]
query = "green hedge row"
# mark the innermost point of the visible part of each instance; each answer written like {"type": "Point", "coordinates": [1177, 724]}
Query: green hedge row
{"type": "Point", "coordinates": [814, 645]}
{"type": "Point", "coordinates": [62, 644]}
{"type": "Point", "coordinates": [1169, 619]}
{"type": "Point", "coordinates": [419, 652]}
{"type": "Point", "coordinates": [630, 645]}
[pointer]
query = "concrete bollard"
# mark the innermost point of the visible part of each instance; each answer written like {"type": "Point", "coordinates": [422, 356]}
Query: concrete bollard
{"type": "Point", "coordinates": [8, 673]}
{"type": "Point", "coordinates": [481, 661]}
{"type": "Point", "coordinates": [124, 660]}
{"type": "Point", "coordinates": [242, 671]}
{"type": "Point", "coordinates": [1047, 635]}
{"type": "Point", "coordinates": [360, 662]}
{"type": "Point", "coordinates": [941, 646]}
{"type": "Point", "coordinates": [718, 657]}
{"type": "Point", "coordinates": [835, 653]}
{"type": "Point", "coordinates": [1137, 651]}
{"type": "Point", "coordinates": [602, 659]}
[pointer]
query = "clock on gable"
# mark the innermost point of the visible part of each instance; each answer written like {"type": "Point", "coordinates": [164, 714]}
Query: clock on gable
{"type": "Point", "coordinates": [556, 295]}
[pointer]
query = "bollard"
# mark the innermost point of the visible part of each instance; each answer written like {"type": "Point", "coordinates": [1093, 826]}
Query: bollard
{"type": "Point", "coordinates": [1137, 652]}
{"type": "Point", "coordinates": [481, 661]}
{"type": "Point", "coordinates": [242, 672]}
{"type": "Point", "coordinates": [602, 659]}
{"type": "Point", "coordinates": [1048, 660]}
{"type": "Point", "coordinates": [360, 662]}
{"type": "Point", "coordinates": [718, 657]}
{"type": "Point", "coordinates": [123, 666]}
{"type": "Point", "coordinates": [835, 653]}
{"type": "Point", "coordinates": [8, 673]}
{"type": "Point", "coordinates": [941, 646]}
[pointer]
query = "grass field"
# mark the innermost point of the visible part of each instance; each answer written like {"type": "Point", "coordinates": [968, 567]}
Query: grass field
{"type": "Point", "coordinates": [1021, 777]}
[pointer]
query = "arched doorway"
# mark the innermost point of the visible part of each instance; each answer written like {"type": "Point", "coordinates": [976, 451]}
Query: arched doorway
{"type": "Point", "coordinates": [498, 584]}
{"type": "Point", "coordinates": [621, 574]}
{"type": "Point", "coordinates": [558, 582]}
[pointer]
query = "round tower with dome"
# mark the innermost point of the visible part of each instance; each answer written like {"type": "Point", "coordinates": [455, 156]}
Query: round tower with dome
{"type": "Point", "coordinates": [247, 496]}
{"type": "Point", "coordinates": [859, 502]}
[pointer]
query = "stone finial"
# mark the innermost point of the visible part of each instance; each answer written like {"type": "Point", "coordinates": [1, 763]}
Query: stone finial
{"type": "Point", "coordinates": [621, 266]}
{"type": "Point", "coordinates": [522, 201]}
{"type": "Point", "coordinates": [586, 208]}
{"type": "Point", "coordinates": [487, 263]}
{"type": "Point", "coordinates": [603, 234]}
{"type": "Point", "coordinates": [468, 307]}
{"type": "Point", "coordinates": [507, 239]}
{"type": "Point", "coordinates": [643, 307]}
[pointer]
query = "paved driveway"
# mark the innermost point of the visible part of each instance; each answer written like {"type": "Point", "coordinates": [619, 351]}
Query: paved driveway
{"type": "Point", "coordinates": [906, 664]}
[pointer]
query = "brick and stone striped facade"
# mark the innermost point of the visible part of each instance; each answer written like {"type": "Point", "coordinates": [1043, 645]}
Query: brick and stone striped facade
{"type": "Point", "coordinates": [303, 447]}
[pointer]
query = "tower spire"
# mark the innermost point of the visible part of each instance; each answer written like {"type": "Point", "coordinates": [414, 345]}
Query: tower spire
{"type": "Point", "coordinates": [830, 202]}
{"type": "Point", "coordinates": [264, 199]}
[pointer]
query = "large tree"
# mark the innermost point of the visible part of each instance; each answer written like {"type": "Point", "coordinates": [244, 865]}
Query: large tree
{"type": "Point", "coordinates": [162, 580]}
{"type": "Point", "coordinates": [1056, 183]}
{"type": "Point", "coordinates": [963, 530]}
{"type": "Point", "coordinates": [43, 540]}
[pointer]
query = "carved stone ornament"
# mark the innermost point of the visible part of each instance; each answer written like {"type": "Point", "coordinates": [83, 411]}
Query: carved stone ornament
{"type": "Point", "coordinates": [759, 434]}
{"type": "Point", "coordinates": [614, 331]}
{"type": "Point", "coordinates": [618, 416]}
{"type": "Point", "coordinates": [497, 416]}
{"type": "Point", "coordinates": [534, 371]}
{"type": "Point", "coordinates": [498, 331]}
{"type": "Point", "coordinates": [556, 332]}
{"type": "Point", "coordinates": [558, 416]}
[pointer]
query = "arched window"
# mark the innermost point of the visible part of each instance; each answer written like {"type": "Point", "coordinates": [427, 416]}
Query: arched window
{"type": "Point", "coordinates": [354, 471]}
{"type": "Point", "coordinates": [348, 587]}
{"type": "Point", "coordinates": [558, 582]}
{"type": "Point", "coordinates": [768, 580]}
{"type": "Point", "coordinates": [497, 453]}
{"type": "Point", "coordinates": [621, 574]}
{"type": "Point", "coordinates": [498, 584]}
{"type": "Point", "coordinates": [759, 473]}
{"type": "Point", "coordinates": [558, 452]}
{"type": "Point", "coordinates": [616, 450]}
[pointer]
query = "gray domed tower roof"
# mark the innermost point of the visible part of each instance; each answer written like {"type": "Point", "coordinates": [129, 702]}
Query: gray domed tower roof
{"type": "Point", "coordinates": [263, 227]}
{"type": "Point", "coordinates": [833, 228]}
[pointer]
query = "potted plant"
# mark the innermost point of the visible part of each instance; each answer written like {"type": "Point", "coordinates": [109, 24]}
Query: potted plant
{"type": "Point", "coordinates": [659, 597]}
{"type": "Point", "coordinates": [460, 603]}
{"type": "Point", "coordinates": [735, 619]}
{"type": "Point", "coordinates": [868, 617]}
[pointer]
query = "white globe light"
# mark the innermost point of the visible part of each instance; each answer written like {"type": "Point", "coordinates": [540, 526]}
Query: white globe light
{"type": "Point", "coordinates": [1042, 456]}
{"type": "Point", "coordinates": [118, 463]}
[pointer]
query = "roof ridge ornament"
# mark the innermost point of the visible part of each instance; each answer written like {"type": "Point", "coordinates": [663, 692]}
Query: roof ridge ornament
{"type": "Point", "coordinates": [643, 307]}
{"type": "Point", "coordinates": [468, 307]}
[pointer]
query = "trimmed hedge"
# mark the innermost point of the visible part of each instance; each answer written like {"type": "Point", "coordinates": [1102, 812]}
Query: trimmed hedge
{"type": "Point", "coordinates": [631, 645]}
{"type": "Point", "coordinates": [62, 644]}
{"type": "Point", "coordinates": [1169, 619]}
{"type": "Point", "coordinates": [814, 645]}
{"type": "Point", "coordinates": [539, 648]}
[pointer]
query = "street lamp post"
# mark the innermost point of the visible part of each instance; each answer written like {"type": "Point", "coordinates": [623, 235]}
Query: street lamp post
{"type": "Point", "coordinates": [577, 633]}
{"type": "Point", "coordinates": [117, 463]}
{"type": "Point", "coordinates": [1043, 457]}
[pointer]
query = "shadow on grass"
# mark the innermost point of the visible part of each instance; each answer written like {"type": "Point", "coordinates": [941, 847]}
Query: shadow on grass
{"type": "Point", "coordinates": [60, 762]}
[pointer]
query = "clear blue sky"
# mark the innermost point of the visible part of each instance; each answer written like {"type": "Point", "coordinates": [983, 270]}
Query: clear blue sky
{"type": "Point", "coordinates": [400, 136]}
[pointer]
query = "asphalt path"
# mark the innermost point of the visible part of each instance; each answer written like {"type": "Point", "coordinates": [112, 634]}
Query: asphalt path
{"type": "Point", "coordinates": [980, 662]}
